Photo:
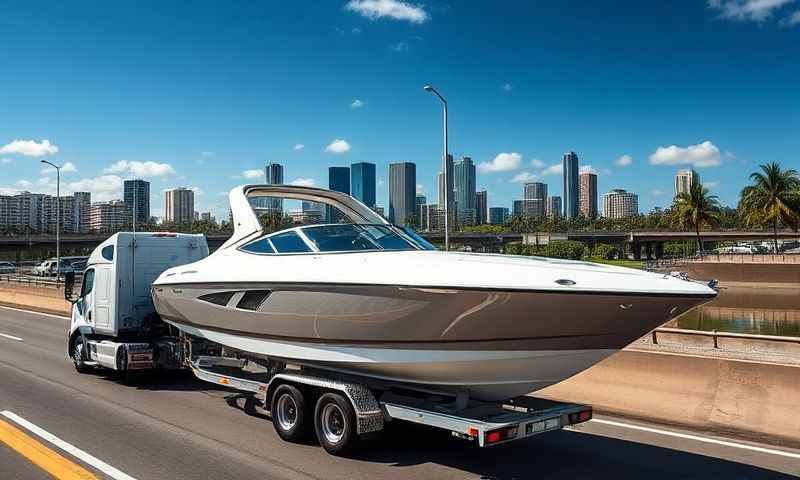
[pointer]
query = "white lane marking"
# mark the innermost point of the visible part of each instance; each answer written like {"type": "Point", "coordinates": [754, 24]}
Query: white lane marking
{"type": "Point", "coordinates": [60, 317]}
{"type": "Point", "coordinates": [67, 447]}
{"type": "Point", "coordinates": [698, 438]}
{"type": "Point", "coordinates": [10, 337]}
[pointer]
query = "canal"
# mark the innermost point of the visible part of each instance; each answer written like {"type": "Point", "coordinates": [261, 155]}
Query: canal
{"type": "Point", "coordinates": [757, 310]}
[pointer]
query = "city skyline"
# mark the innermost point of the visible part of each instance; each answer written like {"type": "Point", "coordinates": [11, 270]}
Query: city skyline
{"type": "Point", "coordinates": [659, 111]}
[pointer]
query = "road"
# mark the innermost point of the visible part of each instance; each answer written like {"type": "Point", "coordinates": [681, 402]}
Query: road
{"type": "Point", "coordinates": [173, 426]}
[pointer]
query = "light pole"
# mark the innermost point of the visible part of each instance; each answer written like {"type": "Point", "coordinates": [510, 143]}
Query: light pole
{"type": "Point", "coordinates": [58, 217]}
{"type": "Point", "coordinates": [429, 88]}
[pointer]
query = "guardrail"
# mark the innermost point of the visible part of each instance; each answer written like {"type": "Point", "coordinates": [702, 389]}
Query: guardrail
{"type": "Point", "coordinates": [713, 257]}
{"type": "Point", "coordinates": [715, 335]}
{"type": "Point", "coordinates": [37, 281]}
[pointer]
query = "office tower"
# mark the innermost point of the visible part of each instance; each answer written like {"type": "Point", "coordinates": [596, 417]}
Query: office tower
{"type": "Point", "coordinates": [534, 190]}
{"type": "Point", "coordinates": [179, 206]}
{"type": "Point", "coordinates": [518, 208]}
{"type": "Point", "coordinates": [206, 217]}
{"type": "Point", "coordinates": [137, 191]}
{"type": "Point", "coordinates": [273, 176]}
{"type": "Point", "coordinates": [464, 186]}
{"type": "Point", "coordinates": [380, 211]}
{"type": "Point", "coordinates": [82, 204]}
{"type": "Point", "coordinates": [571, 191]}
{"type": "Point", "coordinates": [534, 199]}
{"type": "Point", "coordinates": [419, 210]}
{"type": "Point", "coordinates": [498, 215]}
{"type": "Point", "coordinates": [338, 181]}
{"type": "Point", "coordinates": [482, 207]}
{"type": "Point", "coordinates": [362, 182]}
{"type": "Point", "coordinates": [554, 207]}
{"type": "Point", "coordinates": [620, 204]}
{"type": "Point", "coordinates": [684, 180]}
{"type": "Point", "coordinates": [588, 200]}
{"type": "Point", "coordinates": [402, 192]}
{"type": "Point", "coordinates": [441, 187]}
{"type": "Point", "coordinates": [109, 216]}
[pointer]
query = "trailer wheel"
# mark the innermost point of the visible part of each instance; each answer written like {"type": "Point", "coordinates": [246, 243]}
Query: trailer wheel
{"type": "Point", "coordinates": [335, 423]}
{"type": "Point", "coordinates": [78, 356]}
{"type": "Point", "coordinates": [289, 410]}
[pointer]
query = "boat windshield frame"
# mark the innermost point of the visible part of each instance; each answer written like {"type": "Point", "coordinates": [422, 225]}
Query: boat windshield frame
{"type": "Point", "coordinates": [414, 242]}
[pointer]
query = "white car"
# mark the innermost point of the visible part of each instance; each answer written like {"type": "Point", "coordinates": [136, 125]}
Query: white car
{"type": "Point", "coordinates": [7, 267]}
{"type": "Point", "coordinates": [737, 249]}
{"type": "Point", "coordinates": [48, 268]}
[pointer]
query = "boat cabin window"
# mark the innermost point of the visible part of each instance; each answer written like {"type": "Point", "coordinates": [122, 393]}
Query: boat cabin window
{"type": "Point", "coordinates": [289, 242]}
{"type": "Point", "coordinates": [339, 238]}
{"type": "Point", "coordinates": [259, 246]}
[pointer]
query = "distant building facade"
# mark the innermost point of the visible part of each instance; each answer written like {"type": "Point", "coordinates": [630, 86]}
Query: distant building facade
{"type": "Point", "coordinates": [554, 207]}
{"type": "Point", "coordinates": [362, 182]}
{"type": "Point", "coordinates": [683, 181]}
{"type": "Point", "coordinates": [534, 199]}
{"type": "Point", "coordinates": [464, 186]}
{"type": "Point", "coordinates": [136, 195]}
{"type": "Point", "coordinates": [338, 181]}
{"type": "Point", "coordinates": [620, 204]}
{"type": "Point", "coordinates": [482, 207]}
{"type": "Point", "coordinates": [498, 215]}
{"type": "Point", "coordinates": [402, 192]}
{"type": "Point", "coordinates": [179, 206]}
{"type": "Point", "coordinates": [569, 164]}
{"type": "Point", "coordinates": [108, 216]}
{"type": "Point", "coordinates": [81, 210]}
{"type": "Point", "coordinates": [588, 198]}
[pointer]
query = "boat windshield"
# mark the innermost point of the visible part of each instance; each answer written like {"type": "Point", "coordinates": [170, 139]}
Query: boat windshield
{"type": "Point", "coordinates": [350, 237]}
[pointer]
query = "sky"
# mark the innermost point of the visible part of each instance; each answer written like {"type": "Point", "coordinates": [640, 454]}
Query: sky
{"type": "Point", "coordinates": [203, 94]}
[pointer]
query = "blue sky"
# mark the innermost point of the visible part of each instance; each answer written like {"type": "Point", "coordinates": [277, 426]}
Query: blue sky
{"type": "Point", "coordinates": [197, 93]}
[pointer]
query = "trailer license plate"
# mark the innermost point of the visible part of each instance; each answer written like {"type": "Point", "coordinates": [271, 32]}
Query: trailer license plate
{"type": "Point", "coordinates": [538, 427]}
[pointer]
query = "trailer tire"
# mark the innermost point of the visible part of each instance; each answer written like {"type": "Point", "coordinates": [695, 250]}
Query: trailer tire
{"type": "Point", "coordinates": [335, 424]}
{"type": "Point", "coordinates": [78, 356]}
{"type": "Point", "coordinates": [289, 411]}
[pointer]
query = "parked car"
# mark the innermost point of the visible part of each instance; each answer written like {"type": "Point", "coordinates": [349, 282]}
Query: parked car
{"type": "Point", "coordinates": [7, 267]}
{"type": "Point", "coordinates": [48, 268]}
{"type": "Point", "coordinates": [737, 249]}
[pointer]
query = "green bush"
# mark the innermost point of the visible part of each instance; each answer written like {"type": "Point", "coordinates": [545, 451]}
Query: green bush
{"type": "Point", "coordinates": [605, 251]}
{"type": "Point", "coordinates": [568, 249]}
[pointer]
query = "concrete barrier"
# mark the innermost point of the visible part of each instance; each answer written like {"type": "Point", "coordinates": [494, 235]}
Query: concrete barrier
{"type": "Point", "coordinates": [750, 399]}
{"type": "Point", "coordinates": [47, 300]}
{"type": "Point", "coordinates": [743, 272]}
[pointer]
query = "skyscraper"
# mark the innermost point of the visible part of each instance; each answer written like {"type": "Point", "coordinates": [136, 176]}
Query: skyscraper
{"type": "Point", "coordinates": [534, 196]}
{"type": "Point", "coordinates": [498, 215]}
{"type": "Point", "coordinates": [338, 181]}
{"type": "Point", "coordinates": [81, 210]}
{"type": "Point", "coordinates": [402, 192]}
{"type": "Point", "coordinates": [554, 207]}
{"type": "Point", "coordinates": [482, 207]}
{"type": "Point", "coordinates": [273, 176]}
{"type": "Point", "coordinates": [569, 164]}
{"type": "Point", "coordinates": [464, 186]}
{"type": "Point", "coordinates": [362, 182]}
{"type": "Point", "coordinates": [588, 188]}
{"type": "Point", "coordinates": [684, 179]}
{"type": "Point", "coordinates": [441, 186]}
{"type": "Point", "coordinates": [620, 204]}
{"type": "Point", "coordinates": [136, 195]}
{"type": "Point", "coordinates": [179, 206]}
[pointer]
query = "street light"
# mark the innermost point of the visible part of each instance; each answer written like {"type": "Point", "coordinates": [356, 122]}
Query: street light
{"type": "Point", "coordinates": [58, 217]}
{"type": "Point", "coordinates": [429, 88]}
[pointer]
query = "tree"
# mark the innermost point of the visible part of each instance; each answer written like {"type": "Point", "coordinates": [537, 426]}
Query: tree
{"type": "Point", "coordinates": [771, 199]}
{"type": "Point", "coordinates": [696, 209]}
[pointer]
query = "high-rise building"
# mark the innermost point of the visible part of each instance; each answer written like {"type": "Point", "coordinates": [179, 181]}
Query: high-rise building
{"type": "Point", "coordinates": [207, 217]}
{"type": "Point", "coordinates": [498, 215]}
{"type": "Point", "coordinates": [179, 206]}
{"type": "Point", "coordinates": [64, 219]}
{"type": "Point", "coordinates": [620, 204]}
{"type": "Point", "coordinates": [109, 216]}
{"type": "Point", "coordinates": [554, 207]}
{"type": "Point", "coordinates": [464, 185]}
{"type": "Point", "coordinates": [569, 164]}
{"type": "Point", "coordinates": [518, 208]}
{"type": "Point", "coordinates": [684, 180]}
{"type": "Point", "coordinates": [482, 207]}
{"type": "Point", "coordinates": [534, 196]}
{"type": "Point", "coordinates": [338, 181]}
{"type": "Point", "coordinates": [81, 206]}
{"type": "Point", "coordinates": [420, 210]}
{"type": "Point", "coordinates": [402, 192]}
{"type": "Point", "coordinates": [441, 188]}
{"type": "Point", "coordinates": [136, 195]}
{"type": "Point", "coordinates": [588, 200]}
{"type": "Point", "coordinates": [362, 182]}
{"type": "Point", "coordinates": [533, 190]}
{"type": "Point", "coordinates": [273, 176]}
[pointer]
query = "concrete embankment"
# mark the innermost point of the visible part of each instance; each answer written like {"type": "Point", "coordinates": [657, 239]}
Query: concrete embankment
{"type": "Point", "coordinates": [40, 299]}
{"type": "Point", "coordinates": [744, 273]}
{"type": "Point", "coordinates": [751, 399]}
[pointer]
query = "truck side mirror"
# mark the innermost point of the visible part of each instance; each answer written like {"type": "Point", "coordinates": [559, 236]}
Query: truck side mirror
{"type": "Point", "coordinates": [69, 287]}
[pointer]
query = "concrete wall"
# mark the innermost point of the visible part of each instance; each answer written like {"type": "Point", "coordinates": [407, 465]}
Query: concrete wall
{"type": "Point", "coordinates": [736, 397]}
{"type": "Point", "coordinates": [744, 272]}
{"type": "Point", "coordinates": [47, 300]}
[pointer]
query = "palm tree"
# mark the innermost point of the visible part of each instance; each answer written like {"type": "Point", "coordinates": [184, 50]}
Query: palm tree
{"type": "Point", "coordinates": [696, 209]}
{"type": "Point", "coordinates": [771, 199]}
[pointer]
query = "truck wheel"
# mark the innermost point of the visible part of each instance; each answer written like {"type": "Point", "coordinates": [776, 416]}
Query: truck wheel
{"type": "Point", "coordinates": [335, 423]}
{"type": "Point", "coordinates": [289, 411]}
{"type": "Point", "coordinates": [78, 357]}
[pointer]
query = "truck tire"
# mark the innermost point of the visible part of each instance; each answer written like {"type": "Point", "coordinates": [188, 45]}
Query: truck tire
{"type": "Point", "coordinates": [77, 355]}
{"type": "Point", "coordinates": [289, 411]}
{"type": "Point", "coordinates": [335, 424]}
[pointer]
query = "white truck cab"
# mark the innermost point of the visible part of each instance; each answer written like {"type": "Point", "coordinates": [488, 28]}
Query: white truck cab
{"type": "Point", "coordinates": [113, 322]}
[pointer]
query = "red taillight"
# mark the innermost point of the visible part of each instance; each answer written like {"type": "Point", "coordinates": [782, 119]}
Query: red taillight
{"type": "Point", "coordinates": [579, 417]}
{"type": "Point", "coordinates": [499, 435]}
{"type": "Point", "coordinates": [472, 432]}
{"type": "Point", "coordinates": [493, 437]}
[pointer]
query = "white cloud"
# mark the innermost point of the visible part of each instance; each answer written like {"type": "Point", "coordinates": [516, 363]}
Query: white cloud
{"type": "Point", "coordinates": [68, 167]}
{"type": "Point", "coordinates": [103, 188]}
{"type": "Point", "coordinates": [24, 184]}
{"type": "Point", "coordinates": [554, 169]}
{"type": "Point", "coordinates": [711, 185]}
{"type": "Point", "coordinates": [197, 191]}
{"type": "Point", "coordinates": [400, 46]}
{"type": "Point", "coordinates": [507, 87]}
{"type": "Point", "coordinates": [394, 9]}
{"type": "Point", "coordinates": [338, 146]}
{"type": "Point", "coordinates": [141, 169]}
{"type": "Point", "coordinates": [747, 10]}
{"type": "Point", "coordinates": [657, 193]}
{"type": "Point", "coordinates": [623, 161]}
{"type": "Point", "coordinates": [791, 20]}
{"type": "Point", "coordinates": [587, 169]}
{"type": "Point", "coordinates": [524, 177]}
{"type": "Point", "coordinates": [5, 160]}
{"type": "Point", "coordinates": [303, 182]}
{"type": "Point", "coordinates": [254, 173]}
{"type": "Point", "coordinates": [704, 154]}
{"type": "Point", "coordinates": [536, 163]}
{"type": "Point", "coordinates": [503, 162]}
{"type": "Point", "coordinates": [420, 189]}
{"type": "Point", "coordinates": [29, 148]}
{"type": "Point", "coordinates": [357, 103]}
{"type": "Point", "coordinates": [298, 146]}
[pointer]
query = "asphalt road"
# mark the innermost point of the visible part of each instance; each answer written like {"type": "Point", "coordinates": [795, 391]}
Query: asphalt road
{"type": "Point", "coordinates": [174, 426]}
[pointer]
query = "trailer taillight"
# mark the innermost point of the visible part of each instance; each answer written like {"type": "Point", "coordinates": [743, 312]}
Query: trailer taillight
{"type": "Point", "coordinates": [495, 436]}
{"type": "Point", "coordinates": [580, 417]}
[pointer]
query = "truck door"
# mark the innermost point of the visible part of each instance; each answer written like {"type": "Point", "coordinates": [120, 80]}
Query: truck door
{"type": "Point", "coordinates": [84, 305]}
{"type": "Point", "coordinates": [102, 296]}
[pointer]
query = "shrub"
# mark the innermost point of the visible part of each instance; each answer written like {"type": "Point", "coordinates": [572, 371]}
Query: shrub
{"type": "Point", "coordinates": [605, 251]}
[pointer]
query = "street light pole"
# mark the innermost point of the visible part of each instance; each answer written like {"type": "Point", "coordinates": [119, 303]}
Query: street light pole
{"type": "Point", "coordinates": [58, 217]}
{"type": "Point", "coordinates": [429, 88]}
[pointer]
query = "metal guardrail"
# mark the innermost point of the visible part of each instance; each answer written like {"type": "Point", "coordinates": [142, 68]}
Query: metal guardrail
{"type": "Point", "coordinates": [36, 281]}
{"type": "Point", "coordinates": [717, 335]}
{"type": "Point", "coordinates": [713, 257]}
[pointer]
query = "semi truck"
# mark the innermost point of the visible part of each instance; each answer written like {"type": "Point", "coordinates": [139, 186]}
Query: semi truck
{"type": "Point", "coordinates": [114, 325]}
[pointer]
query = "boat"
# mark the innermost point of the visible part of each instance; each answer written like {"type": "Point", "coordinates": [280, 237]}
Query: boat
{"type": "Point", "coordinates": [364, 297]}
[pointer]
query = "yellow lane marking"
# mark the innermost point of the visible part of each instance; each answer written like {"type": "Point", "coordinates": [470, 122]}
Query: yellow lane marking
{"type": "Point", "coordinates": [43, 457]}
